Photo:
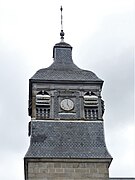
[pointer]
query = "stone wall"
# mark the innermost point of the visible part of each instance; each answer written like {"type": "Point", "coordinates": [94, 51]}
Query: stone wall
{"type": "Point", "coordinates": [67, 171]}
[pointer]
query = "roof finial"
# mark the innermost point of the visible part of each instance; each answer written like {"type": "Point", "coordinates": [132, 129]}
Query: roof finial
{"type": "Point", "coordinates": [62, 32]}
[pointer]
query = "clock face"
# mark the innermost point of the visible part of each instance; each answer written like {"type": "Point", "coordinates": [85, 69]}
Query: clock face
{"type": "Point", "coordinates": [67, 104]}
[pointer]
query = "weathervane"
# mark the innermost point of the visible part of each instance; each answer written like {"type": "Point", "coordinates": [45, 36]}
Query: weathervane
{"type": "Point", "coordinates": [62, 32]}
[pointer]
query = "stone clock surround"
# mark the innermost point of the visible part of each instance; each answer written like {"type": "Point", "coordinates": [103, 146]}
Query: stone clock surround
{"type": "Point", "coordinates": [73, 91]}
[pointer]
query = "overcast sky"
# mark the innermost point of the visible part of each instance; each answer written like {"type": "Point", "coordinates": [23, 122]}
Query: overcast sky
{"type": "Point", "coordinates": [101, 33]}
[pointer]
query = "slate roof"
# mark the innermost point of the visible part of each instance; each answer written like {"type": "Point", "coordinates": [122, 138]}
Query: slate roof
{"type": "Point", "coordinates": [63, 67]}
{"type": "Point", "coordinates": [122, 178]}
{"type": "Point", "coordinates": [67, 140]}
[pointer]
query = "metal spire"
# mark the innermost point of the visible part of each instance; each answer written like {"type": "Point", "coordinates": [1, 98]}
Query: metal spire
{"type": "Point", "coordinates": [62, 32]}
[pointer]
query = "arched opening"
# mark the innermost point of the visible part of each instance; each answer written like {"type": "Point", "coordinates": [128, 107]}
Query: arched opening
{"type": "Point", "coordinates": [42, 105]}
{"type": "Point", "coordinates": [90, 106]}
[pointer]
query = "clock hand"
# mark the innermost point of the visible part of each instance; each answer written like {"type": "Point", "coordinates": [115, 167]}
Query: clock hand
{"type": "Point", "coordinates": [67, 103]}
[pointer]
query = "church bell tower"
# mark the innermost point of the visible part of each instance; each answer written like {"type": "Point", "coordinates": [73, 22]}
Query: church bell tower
{"type": "Point", "coordinates": [67, 127]}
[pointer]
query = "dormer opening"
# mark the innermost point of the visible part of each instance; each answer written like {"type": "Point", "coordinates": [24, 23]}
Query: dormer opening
{"type": "Point", "coordinates": [42, 105]}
